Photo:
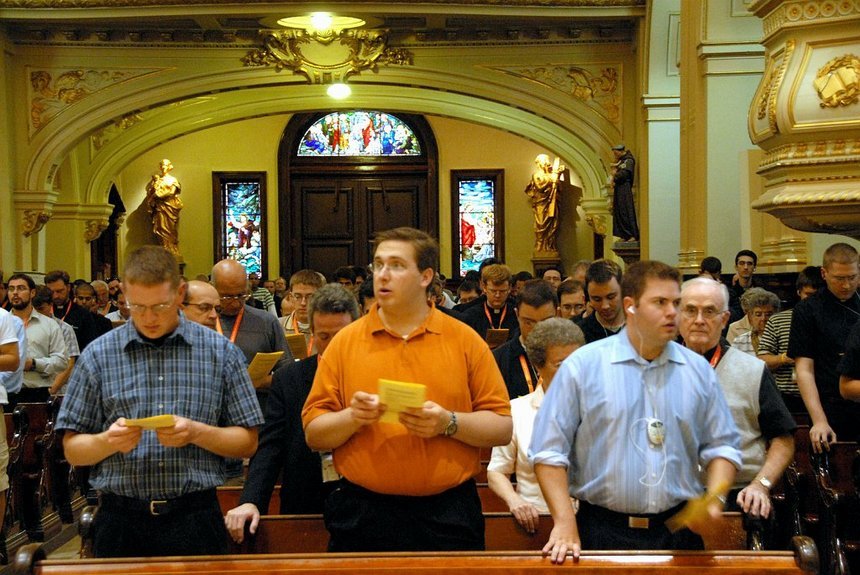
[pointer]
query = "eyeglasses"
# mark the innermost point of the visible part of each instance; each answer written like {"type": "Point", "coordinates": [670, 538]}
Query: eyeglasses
{"type": "Point", "coordinates": [839, 279]}
{"type": "Point", "coordinates": [157, 309]}
{"type": "Point", "coordinates": [204, 307]}
{"type": "Point", "coordinates": [692, 312]}
{"type": "Point", "coordinates": [573, 307]}
{"type": "Point", "coordinates": [18, 288]}
{"type": "Point", "coordinates": [498, 291]}
{"type": "Point", "coordinates": [231, 298]}
{"type": "Point", "coordinates": [300, 297]}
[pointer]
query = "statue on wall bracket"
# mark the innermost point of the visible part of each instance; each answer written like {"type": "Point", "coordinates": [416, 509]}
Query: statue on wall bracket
{"type": "Point", "coordinates": [162, 198]}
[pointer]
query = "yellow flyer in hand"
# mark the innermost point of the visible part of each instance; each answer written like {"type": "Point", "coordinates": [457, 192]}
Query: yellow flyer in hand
{"type": "Point", "coordinates": [154, 422]}
{"type": "Point", "coordinates": [695, 511]}
{"type": "Point", "coordinates": [399, 395]}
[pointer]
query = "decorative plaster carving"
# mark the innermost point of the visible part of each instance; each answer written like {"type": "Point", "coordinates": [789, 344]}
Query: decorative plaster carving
{"type": "Point", "coordinates": [324, 58]}
{"type": "Point", "coordinates": [599, 223]}
{"type": "Point", "coordinates": [94, 229]}
{"type": "Point", "coordinates": [838, 82]}
{"type": "Point", "coordinates": [807, 153]}
{"type": "Point", "coordinates": [102, 137]}
{"type": "Point", "coordinates": [773, 89]}
{"type": "Point", "coordinates": [53, 90]}
{"type": "Point", "coordinates": [804, 11]}
{"type": "Point", "coordinates": [597, 86]}
{"type": "Point", "coordinates": [34, 221]}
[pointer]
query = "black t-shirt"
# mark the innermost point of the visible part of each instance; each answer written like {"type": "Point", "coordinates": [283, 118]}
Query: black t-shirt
{"type": "Point", "coordinates": [593, 329]}
{"type": "Point", "coordinates": [820, 326]}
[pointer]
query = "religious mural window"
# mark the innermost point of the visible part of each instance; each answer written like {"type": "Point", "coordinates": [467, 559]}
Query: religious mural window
{"type": "Point", "coordinates": [239, 203]}
{"type": "Point", "coordinates": [359, 133]}
{"type": "Point", "coordinates": [477, 218]}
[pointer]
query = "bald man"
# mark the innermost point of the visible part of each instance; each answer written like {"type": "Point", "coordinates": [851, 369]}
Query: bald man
{"type": "Point", "coordinates": [252, 330]}
{"type": "Point", "coordinates": [202, 303]}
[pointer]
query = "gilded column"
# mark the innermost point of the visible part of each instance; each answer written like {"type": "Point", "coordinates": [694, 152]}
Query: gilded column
{"type": "Point", "coordinates": [33, 209]}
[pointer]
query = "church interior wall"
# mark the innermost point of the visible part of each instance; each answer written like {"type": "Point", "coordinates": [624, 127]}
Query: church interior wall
{"type": "Point", "coordinates": [251, 145]}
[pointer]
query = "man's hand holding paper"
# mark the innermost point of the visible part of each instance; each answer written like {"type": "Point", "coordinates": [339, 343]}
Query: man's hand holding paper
{"type": "Point", "coordinates": [427, 421]}
{"type": "Point", "coordinates": [122, 437]}
{"type": "Point", "coordinates": [366, 408]}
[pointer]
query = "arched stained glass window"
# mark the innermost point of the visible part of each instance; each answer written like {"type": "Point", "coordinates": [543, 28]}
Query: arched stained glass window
{"type": "Point", "coordinates": [359, 133]}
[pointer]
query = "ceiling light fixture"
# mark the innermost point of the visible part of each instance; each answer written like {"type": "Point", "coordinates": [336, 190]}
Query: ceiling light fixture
{"type": "Point", "coordinates": [339, 91]}
{"type": "Point", "coordinates": [321, 22]}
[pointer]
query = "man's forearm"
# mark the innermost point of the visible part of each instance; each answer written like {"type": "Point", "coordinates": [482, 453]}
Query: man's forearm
{"type": "Point", "coordinates": [556, 491]}
{"type": "Point", "coordinates": [721, 475]}
{"type": "Point", "coordinates": [849, 388]}
{"type": "Point", "coordinates": [233, 441]}
{"type": "Point", "coordinates": [808, 390]}
{"type": "Point", "coordinates": [331, 430]}
{"type": "Point", "coordinates": [9, 358]}
{"type": "Point", "coordinates": [483, 428]}
{"type": "Point", "coordinates": [86, 448]}
{"type": "Point", "coordinates": [779, 455]}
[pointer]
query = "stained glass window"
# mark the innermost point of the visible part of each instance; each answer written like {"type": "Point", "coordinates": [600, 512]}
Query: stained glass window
{"type": "Point", "coordinates": [241, 206]}
{"type": "Point", "coordinates": [478, 200]}
{"type": "Point", "coordinates": [359, 133]}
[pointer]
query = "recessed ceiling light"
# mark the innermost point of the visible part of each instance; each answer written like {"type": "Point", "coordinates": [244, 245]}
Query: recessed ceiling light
{"type": "Point", "coordinates": [339, 91]}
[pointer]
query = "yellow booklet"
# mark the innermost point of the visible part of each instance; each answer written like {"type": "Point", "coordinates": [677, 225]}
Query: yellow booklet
{"type": "Point", "coordinates": [154, 422]}
{"type": "Point", "coordinates": [298, 345]}
{"type": "Point", "coordinates": [399, 395]}
{"type": "Point", "coordinates": [262, 364]}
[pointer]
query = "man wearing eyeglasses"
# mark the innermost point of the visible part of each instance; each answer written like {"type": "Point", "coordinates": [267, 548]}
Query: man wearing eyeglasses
{"type": "Point", "coordinates": [202, 303]}
{"type": "Point", "coordinates": [303, 284]}
{"type": "Point", "coordinates": [497, 312]}
{"type": "Point", "coordinates": [252, 330]}
{"type": "Point", "coordinates": [820, 327]}
{"type": "Point", "coordinates": [157, 486]}
{"type": "Point", "coordinates": [765, 424]}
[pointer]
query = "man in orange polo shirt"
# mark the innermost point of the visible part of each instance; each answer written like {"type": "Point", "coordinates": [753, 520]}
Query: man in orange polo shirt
{"type": "Point", "coordinates": [407, 486]}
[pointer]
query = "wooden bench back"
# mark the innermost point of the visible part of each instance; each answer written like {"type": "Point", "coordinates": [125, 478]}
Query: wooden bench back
{"type": "Point", "coordinates": [803, 560]}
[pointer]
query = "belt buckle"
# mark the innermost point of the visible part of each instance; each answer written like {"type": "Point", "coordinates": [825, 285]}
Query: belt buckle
{"type": "Point", "coordinates": [637, 522]}
{"type": "Point", "coordinates": [153, 510]}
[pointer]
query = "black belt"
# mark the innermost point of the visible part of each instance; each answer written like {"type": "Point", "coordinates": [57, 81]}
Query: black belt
{"type": "Point", "coordinates": [631, 521]}
{"type": "Point", "coordinates": [158, 507]}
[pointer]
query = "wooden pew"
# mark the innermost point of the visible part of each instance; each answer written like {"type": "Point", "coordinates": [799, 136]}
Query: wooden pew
{"type": "Point", "coordinates": [228, 498]}
{"type": "Point", "coordinates": [803, 560]}
{"type": "Point", "coordinates": [839, 501]}
{"type": "Point", "coordinates": [307, 534]}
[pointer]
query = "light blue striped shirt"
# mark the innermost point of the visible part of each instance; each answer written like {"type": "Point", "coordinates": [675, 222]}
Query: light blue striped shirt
{"type": "Point", "coordinates": [196, 373]}
{"type": "Point", "coordinates": [594, 422]}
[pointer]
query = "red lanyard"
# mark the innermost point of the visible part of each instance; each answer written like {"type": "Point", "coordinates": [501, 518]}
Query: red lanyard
{"type": "Point", "coordinates": [715, 359]}
{"type": "Point", "coordinates": [490, 318]}
{"type": "Point", "coordinates": [527, 373]}
{"type": "Point", "coordinates": [235, 325]}
{"type": "Point", "coordinates": [68, 309]}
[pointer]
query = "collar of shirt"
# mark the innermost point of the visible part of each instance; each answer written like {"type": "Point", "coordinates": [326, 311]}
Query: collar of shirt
{"type": "Point", "coordinates": [623, 351]}
{"type": "Point", "coordinates": [128, 333]}
{"type": "Point", "coordinates": [432, 323]}
{"type": "Point", "coordinates": [536, 397]}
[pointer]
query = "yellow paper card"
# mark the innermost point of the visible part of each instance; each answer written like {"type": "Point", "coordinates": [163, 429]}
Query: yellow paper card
{"type": "Point", "coordinates": [398, 396]}
{"type": "Point", "coordinates": [298, 345]}
{"type": "Point", "coordinates": [154, 422]}
{"type": "Point", "coordinates": [262, 364]}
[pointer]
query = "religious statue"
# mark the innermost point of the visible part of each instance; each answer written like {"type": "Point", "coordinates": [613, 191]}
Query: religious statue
{"type": "Point", "coordinates": [543, 192]}
{"type": "Point", "coordinates": [162, 197]}
{"type": "Point", "coordinates": [624, 224]}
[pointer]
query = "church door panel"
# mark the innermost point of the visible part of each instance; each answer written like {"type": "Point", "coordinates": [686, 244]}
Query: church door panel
{"type": "Point", "coordinates": [337, 217]}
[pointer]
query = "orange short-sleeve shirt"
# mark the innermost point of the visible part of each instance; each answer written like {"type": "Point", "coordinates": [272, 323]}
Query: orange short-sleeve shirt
{"type": "Point", "coordinates": [444, 354]}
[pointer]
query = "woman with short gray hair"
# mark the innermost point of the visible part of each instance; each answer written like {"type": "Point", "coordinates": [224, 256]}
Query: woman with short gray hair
{"type": "Point", "coordinates": [547, 346]}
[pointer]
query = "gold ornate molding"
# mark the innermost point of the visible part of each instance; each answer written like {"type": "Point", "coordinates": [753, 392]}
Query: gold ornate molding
{"type": "Point", "coordinates": [94, 229]}
{"type": "Point", "coordinates": [597, 86]}
{"type": "Point", "coordinates": [325, 58]}
{"type": "Point", "coordinates": [807, 153]}
{"type": "Point", "coordinates": [33, 221]}
{"type": "Point", "coordinates": [100, 138]}
{"type": "Point", "coordinates": [802, 13]}
{"type": "Point", "coordinates": [52, 90]}
{"type": "Point", "coordinates": [838, 82]}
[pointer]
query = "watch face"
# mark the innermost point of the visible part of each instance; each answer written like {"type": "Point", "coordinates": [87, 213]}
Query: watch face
{"type": "Point", "coordinates": [766, 482]}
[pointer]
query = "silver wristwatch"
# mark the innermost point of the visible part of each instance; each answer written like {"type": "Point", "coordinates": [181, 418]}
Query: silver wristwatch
{"type": "Point", "coordinates": [765, 482]}
{"type": "Point", "coordinates": [451, 428]}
